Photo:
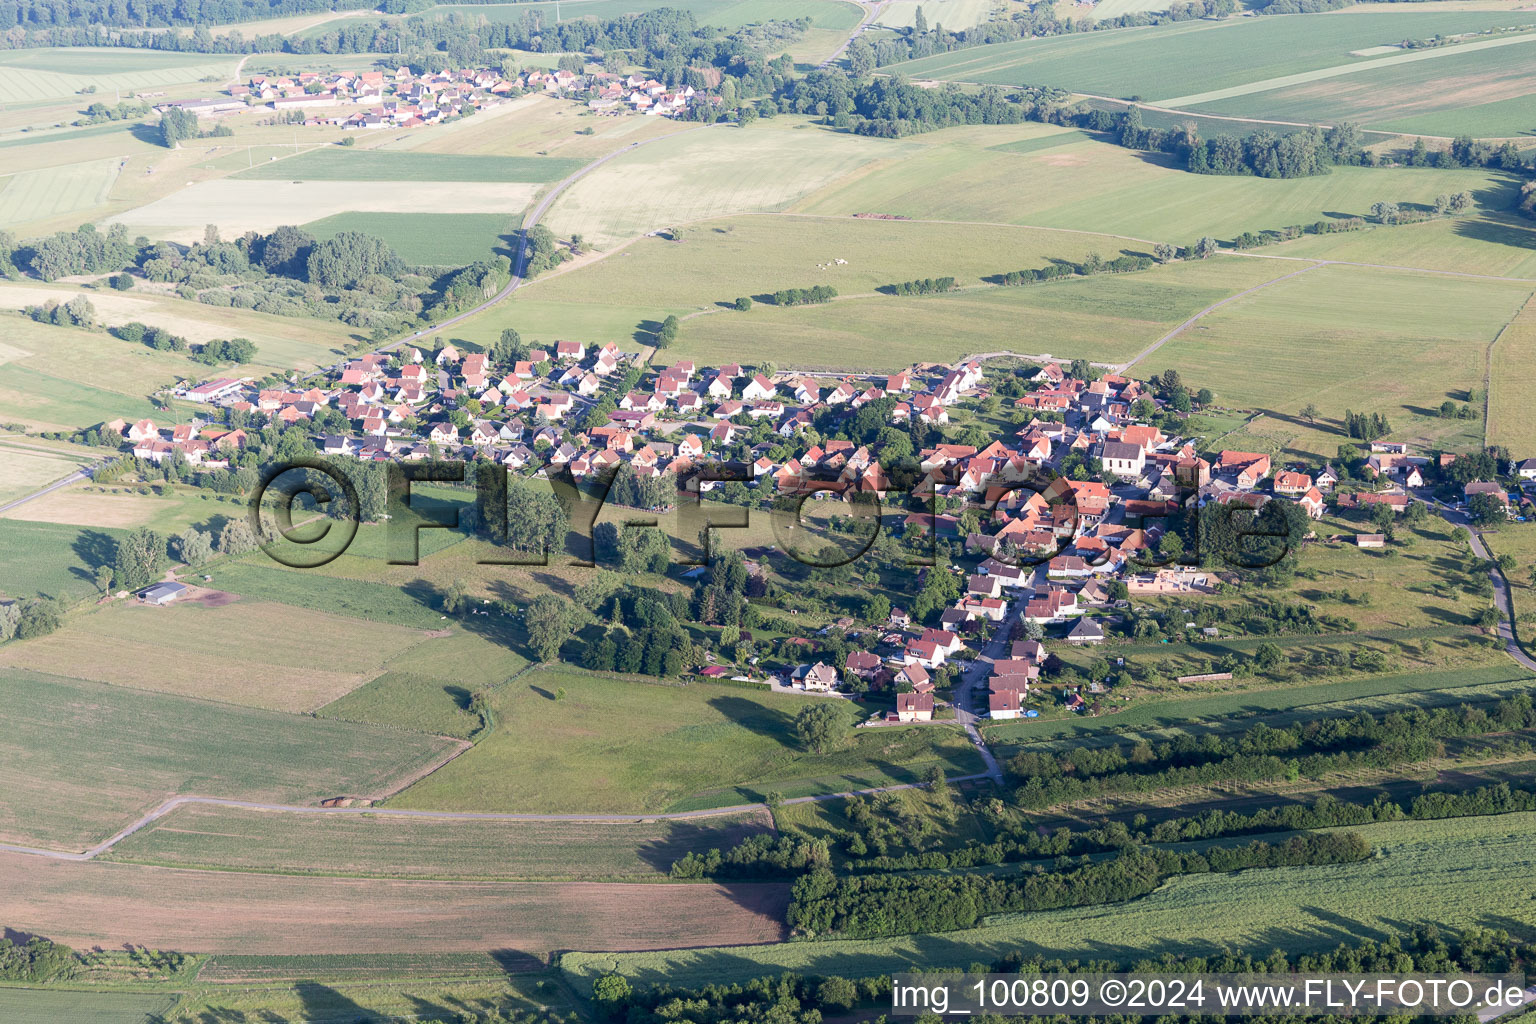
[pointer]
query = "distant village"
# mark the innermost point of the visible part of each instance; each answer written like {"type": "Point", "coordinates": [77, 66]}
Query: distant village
{"type": "Point", "coordinates": [400, 99]}
{"type": "Point", "coordinates": [531, 416]}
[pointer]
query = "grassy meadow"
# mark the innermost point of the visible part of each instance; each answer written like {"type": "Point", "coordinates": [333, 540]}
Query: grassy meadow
{"type": "Point", "coordinates": [251, 653]}
{"type": "Point", "coordinates": [53, 1006]}
{"type": "Point", "coordinates": [612, 745]}
{"type": "Point", "coordinates": [1455, 873]}
{"type": "Point", "coordinates": [352, 164]}
{"type": "Point", "coordinates": [714, 171]}
{"type": "Point", "coordinates": [37, 75]}
{"type": "Point", "coordinates": [381, 846]}
{"type": "Point", "coordinates": [1344, 337]}
{"type": "Point", "coordinates": [1512, 393]}
{"type": "Point", "coordinates": [79, 760]}
{"type": "Point", "coordinates": [53, 191]}
{"type": "Point", "coordinates": [1194, 56]}
{"type": "Point", "coordinates": [428, 239]}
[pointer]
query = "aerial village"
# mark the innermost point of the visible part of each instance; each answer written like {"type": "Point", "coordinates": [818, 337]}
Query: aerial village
{"type": "Point", "coordinates": [401, 99]}
{"type": "Point", "coordinates": [1039, 567]}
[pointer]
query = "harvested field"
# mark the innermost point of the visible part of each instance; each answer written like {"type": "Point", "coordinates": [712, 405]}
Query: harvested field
{"type": "Point", "coordinates": [259, 654]}
{"type": "Point", "coordinates": [80, 760]}
{"type": "Point", "coordinates": [237, 206]}
{"type": "Point", "coordinates": [425, 848]}
{"type": "Point", "coordinates": [108, 904]}
{"type": "Point", "coordinates": [395, 167]}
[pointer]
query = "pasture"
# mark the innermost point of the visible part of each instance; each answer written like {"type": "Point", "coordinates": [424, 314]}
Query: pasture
{"type": "Point", "coordinates": [57, 401]}
{"type": "Point", "coordinates": [239, 206]}
{"type": "Point", "coordinates": [613, 745]}
{"type": "Point", "coordinates": [1193, 56]}
{"type": "Point", "coordinates": [1324, 337]}
{"type": "Point", "coordinates": [53, 559]}
{"type": "Point", "coordinates": [101, 361]}
{"type": "Point", "coordinates": [24, 469]}
{"type": "Point", "coordinates": [35, 195]}
{"type": "Point", "coordinates": [1049, 176]}
{"type": "Point", "coordinates": [82, 759]}
{"type": "Point", "coordinates": [55, 1006]}
{"type": "Point", "coordinates": [954, 15]}
{"type": "Point", "coordinates": [1490, 242]}
{"type": "Point", "coordinates": [1512, 394]}
{"type": "Point", "coordinates": [1108, 318]}
{"type": "Point", "coordinates": [707, 172]}
{"type": "Point", "coordinates": [381, 846]}
{"type": "Point", "coordinates": [337, 164]}
{"type": "Point", "coordinates": [251, 653]}
{"type": "Point", "coordinates": [85, 504]}
{"type": "Point", "coordinates": [108, 904]}
{"type": "Point", "coordinates": [1456, 873]}
{"type": "Point", "coordinates": [38, 75]}
{"type": "Point", "coordinates": [428, 239]}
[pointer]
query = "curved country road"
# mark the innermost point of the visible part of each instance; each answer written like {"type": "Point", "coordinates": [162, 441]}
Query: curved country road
{"type": "Point", "coordinates": [386, 812]}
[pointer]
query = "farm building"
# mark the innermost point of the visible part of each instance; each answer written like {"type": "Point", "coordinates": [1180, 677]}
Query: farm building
{"type": "Point", "coordinates": [162, 593]}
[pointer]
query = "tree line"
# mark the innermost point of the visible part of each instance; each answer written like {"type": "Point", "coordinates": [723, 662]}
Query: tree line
{"type": "Point", "coordinates": [870, 906]}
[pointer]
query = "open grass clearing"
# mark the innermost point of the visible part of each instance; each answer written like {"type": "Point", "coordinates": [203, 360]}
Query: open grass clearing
{"type": "Point", "coordinates": [727, 14]}
{"type": "Point", "coordinates": [717, 260]}
{"type": "Point", "coordinates": [1193, 57]}
{"type": "Point", "coordinates": [954, 15]}
{"type": "Point", "coordinates": [24, 470]}
{"type": "Point", "coordinates": [1512, 392]}
{"type": "Point", "coordinates": [428, 239]}
{"type": "Point", "coordinates": [1455, 873]}
{"type": "Point", "coordinates": [53, 559]}
{"type": "Point", "coordinates": [1106, 319]}
{"type": "Point", "coordinates": [381, 846]}
{"type": "Point", "coordinates": [1489, 242]}
{"type": "Point", "coordinates": [239, 206]}
{"type": "Point", "coordinates": [32, 76]}
{"type": "Point", "coordinates": [46, 401]}
{"type": "Point", "coordinates": [32, 195]}
{"type": "Point", "coordinates": [612, 745]}
{"type": "Point", "coordinates": [55, 1006]}
{"type": "Point", "coordinates": [1051, 176]}
{"type": "Point", "coordinates": [391, 167]}
{"type": "Point", "coordinates": [109, 904]}
{"type": "Point", "coordinates": [87, 504]}
{"type": "Point", "coordinates": [710, 172]}
{"type": "Point", "coordinates": [251, 653]}
{"type": "Point", "coordinates": [297, 343]}
{"type": "Point", "coordinates": [1345, 337]}
{"type": "Point", "coordinates": [81, 760]}
{"type": "Point", "coordinates": [378, 987]}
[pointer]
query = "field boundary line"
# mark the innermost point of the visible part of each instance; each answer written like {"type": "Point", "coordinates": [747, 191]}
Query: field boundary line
{"type": "Point", "coordinates": [183, 801]}
{"type": "Point", "coordinates": [1213, 307]}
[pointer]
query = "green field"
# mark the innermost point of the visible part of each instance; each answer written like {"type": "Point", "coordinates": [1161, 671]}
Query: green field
{"type": "Point", "coordinates": [1108, 318]}
{"type": "Point", "coordinates": [1193, 57]}
{"type": "Point", "coordinates": [1050, 176]}
{"type": "Point", "coordinates": [1326, 336]}
{"type": "Point", "coordinates": [1481, 88]}
{"type": "Point", "coordinates": [336, 164]}
{"type": "Point", "coordinates": [53, 1006]}
{"type": "Point", "coordinates": [717, 171]}
{"type": "Point", "coordinates": [80, 760]}
{"type": "Point", "coordinates": [34, 195]}
{"type": "Point", "coordinates": [51, 558]}
{"type": "Point", "coordinates": [428, 239]}
{"type": "Point", "coordinates": [1512, 396]}
{"type": "Point", "coordinates": [24, 469]}
{"type": "Point", "coordinates": [393, 847]}
{"type": "Point", "coordinates": [1454, 873]}
{"type": "Point", "coordinates": [621, 746]}
{"type": "Point", "coordinates": [31, 76]}
{"type": "Point", "coordinates": [376, 602]}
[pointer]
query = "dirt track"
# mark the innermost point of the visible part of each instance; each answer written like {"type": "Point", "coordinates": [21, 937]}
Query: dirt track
{"type": "Point", "coordinates": [105, 904]}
